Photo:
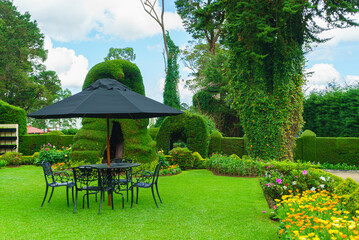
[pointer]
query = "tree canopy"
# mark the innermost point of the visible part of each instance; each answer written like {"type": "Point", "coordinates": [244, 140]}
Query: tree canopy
{"type": "Point", "coordinates": [121, 53]}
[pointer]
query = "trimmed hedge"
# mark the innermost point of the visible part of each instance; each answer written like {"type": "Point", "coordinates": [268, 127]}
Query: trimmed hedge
{"type": "Point", "coordinates": [191, 126]}
{"type": "Point", "coordinates": [29, 144]}
{"type": "Point", "coordinates": [215, 143]}
{"type": "Point", "coordinates": [90, 141]}
{"type": "Point", "coordinates": [10, 114]}
{"type": "Point", "coordinates": [153, 132]}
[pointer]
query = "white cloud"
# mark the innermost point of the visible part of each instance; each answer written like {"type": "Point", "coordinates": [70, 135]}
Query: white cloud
{"type": "Point", "coordinates": [70, 68]}
{"type": "Point", "coordinates": [320, 75]}
{"type": "Point", "coordinates": [68, 20]}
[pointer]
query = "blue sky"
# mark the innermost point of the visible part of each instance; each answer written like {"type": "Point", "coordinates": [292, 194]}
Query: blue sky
{"type": "Point", "coordinates": [78, 35]}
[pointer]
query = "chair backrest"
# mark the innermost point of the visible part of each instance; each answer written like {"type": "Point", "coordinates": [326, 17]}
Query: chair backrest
{"type": "Point", "coordinates": [157, 172]}
{"type": "Point", "coordinates": [49, 175]}
{"type": "Point", "coordinates": [86, 176]}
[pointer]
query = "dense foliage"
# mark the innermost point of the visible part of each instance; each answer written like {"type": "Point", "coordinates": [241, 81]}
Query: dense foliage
{"type": "Point", "coordinates": [90, 140]}
{"type": "Point", "coordinates": [333, 113]}
{"type": "Point", "coordinates": [24, 80]}
{"type": "Point", "coordinates": [267, 40]}
{"type": "Point", "coordinates": [170, 93]}
{"type": "Point", "coordinates": [121, 53]}
{"type": "Point", "coordinates": [190, 128]}
{"type": "Point", "coordinates": [13, 115]}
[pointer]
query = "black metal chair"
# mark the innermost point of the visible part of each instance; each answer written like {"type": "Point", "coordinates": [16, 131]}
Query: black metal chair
{"type": "Point", "coordinates": [88, 179]}
{"type": "Point", "coordinates": [56, 179]}
{"type": "Point", "coordinates": [122, 181]}
{"type": "Point", "coordinates": [146, 179]}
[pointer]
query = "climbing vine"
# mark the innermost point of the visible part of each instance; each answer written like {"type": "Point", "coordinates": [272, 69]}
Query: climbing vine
{"type": "Point", "coordinates": [268, 40]}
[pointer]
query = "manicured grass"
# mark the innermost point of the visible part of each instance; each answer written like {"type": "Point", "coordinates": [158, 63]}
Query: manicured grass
{"type": "Point", "coordinates": [196, 205]}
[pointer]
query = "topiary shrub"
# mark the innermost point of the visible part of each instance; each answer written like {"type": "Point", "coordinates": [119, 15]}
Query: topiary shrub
{"type": "Point", "coordinates": [90, 140]}
{"type": "Point", "coordinates": [347, 187]}
{"type": "Point", "coordinates": [188, 127]}
{"type": "Point", "coordinates": [309, 146]}
{"type": "Point", "coordinates": [199, 162]}
{"type": "Point", "coordinates": [153, 132]}
{"type": "Point", "coordinates": [215, 142]}
{"type": "Point", "coordinates": [182, 157]}
{"type": "Point", "coordinates": [13, 115]}
{"type": "Point", "coordinates": [352, 201]}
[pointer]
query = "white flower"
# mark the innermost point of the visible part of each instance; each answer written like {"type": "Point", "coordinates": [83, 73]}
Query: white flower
{"type": "Point", "coordinates": [294, 183]}
{"type": "Point", "coordinates": [285, 187]}
{"type": "Point", "coordinates": [312, 189]}
{"type": "Point", "coordinates": [321, 185]}
{"type": "Point", "coordinates": [323, 178]}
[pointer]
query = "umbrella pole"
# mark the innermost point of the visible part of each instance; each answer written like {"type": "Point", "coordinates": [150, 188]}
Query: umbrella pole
{"type": "Point", "coordinates": [108, 141]}
{"type": "Point", "coordinates": [108, 152]}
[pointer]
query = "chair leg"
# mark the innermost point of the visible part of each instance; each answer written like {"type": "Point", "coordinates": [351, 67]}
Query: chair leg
{"type": "Point", "coordinates": [47, 188]}
{"type": "Point", "coordinates": [88, 200]}
{"type": "Point", "coordinates": [52, 191]}
{"type": "Point", "coordinates": [99, 212]}
{"type": "Point", "coordinates": [76, 201]}
{"type": "Point", "coordinates": [67, 196]}
{"type": "Point", "coordinates": [131, 196]}
{"type": "Point", "coordinates": [153, 195]}
{"type": "Point", "coordinates": [137, 195]}
{"type": "Point", "coordinates": [158, 194]}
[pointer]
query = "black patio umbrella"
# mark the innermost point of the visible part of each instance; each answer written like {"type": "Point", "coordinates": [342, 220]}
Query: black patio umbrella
{"type": "Point", "coordinates": [106, 98]}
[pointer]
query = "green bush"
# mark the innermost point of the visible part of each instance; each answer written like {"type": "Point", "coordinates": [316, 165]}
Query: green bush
{"type": "Point", "coordinates": [3, 163]}
{"type": "Point", "coordinates": [53, 155]}
{"type": "Point", "coordinates": [353, 202]}
{"type": "Point", "coordinates": [347, 187]}
{"type": "Point", "coordinates": [12, 158]}
{"type": "Point", "coordinates": [27, 160]}
{"type": "Point", "coordinates": [233, 165]}
{"type": "Point", "coordinates": [215, 142]}
{"type": "Point", "coordinates": [189, 127]}
{"type": "Point", "coordinates": [182, 157]}
{"type": "Point", "coordinates": [13, 115]}
{"type": "Point", "coordinates": [199, 162]}
{"type": "Point", "coordinates": [70, 131]}
{"type": "Point", "coordinates": [153, 131]}
{"type": "Point", "coordinates": [55, 132]}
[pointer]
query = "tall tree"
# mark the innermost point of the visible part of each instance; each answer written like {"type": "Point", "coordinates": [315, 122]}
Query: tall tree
{"type": "Point", "coordinates": [170, 94]}
{"type": "Point", "coordinates": [21, 47]}
{"type": "Point", "coordinates": [121, 53]}
{"type": "Point", "coordinates": [203, 19]}
{"type": "Point", "coordinates": [267, 40]}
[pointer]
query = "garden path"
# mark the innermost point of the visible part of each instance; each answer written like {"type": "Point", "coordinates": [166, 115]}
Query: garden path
{"type": "Point", "coordinates": [353, 174]}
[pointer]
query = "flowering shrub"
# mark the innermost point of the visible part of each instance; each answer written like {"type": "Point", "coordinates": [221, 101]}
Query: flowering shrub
{"type": "Point", "coordinates": [182, 157]}
{"type": "Point", "coordinates": [170, 170]}
{"type": "Point", "coordinates": [12, 158]}
{"type": "Point", "coordinates": [315, 215]}
{"type": "Point", "coordinates": [52, 155]}
{"type": "Point", "coordinates": [233, 165]}
{"type": "Point", "coordinates": [275, 184]}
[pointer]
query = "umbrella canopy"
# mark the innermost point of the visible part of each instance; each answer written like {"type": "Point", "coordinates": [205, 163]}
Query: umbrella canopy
{"type": "Point", "coordinates": [106, 98]}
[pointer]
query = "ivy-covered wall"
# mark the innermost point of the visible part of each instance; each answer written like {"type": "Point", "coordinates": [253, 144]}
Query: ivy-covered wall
{"type": "Point", "coordinates": [90, 141]}
{"type": "Point", "coordinates": [189, 127]}
{"type": "Point", "coordinates": [10, 114]}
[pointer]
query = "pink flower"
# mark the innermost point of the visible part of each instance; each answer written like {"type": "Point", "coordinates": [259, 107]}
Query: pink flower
{"type": "Point", "coordinates": [46, 149]}
{"type": "Point", "coordinates": [263, 211]}
{"type": "Point", "coordinates": [278, 180]}
{"type": "Point", "coordinates": [304, 172]}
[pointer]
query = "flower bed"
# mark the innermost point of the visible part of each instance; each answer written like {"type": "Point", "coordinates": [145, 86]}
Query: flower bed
{"type": "Point", "coordinates": [315, 215]}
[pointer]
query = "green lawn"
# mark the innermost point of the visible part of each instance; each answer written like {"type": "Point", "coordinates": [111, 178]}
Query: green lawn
{"type": "Point", "coordinates": [196, 205]}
